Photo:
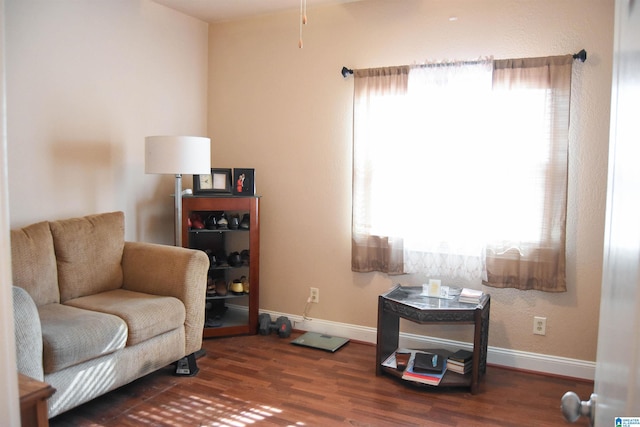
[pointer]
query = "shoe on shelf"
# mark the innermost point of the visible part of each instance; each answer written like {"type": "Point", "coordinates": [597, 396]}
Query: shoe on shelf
{"type": "Point", "coordinates": [244, 224]}
{"type": "Point", "coordinates": [196, 221]}
{"type": "Point", "coordinates": [234, 259]}
{"type": "Point", "coordinates": [223, 222]}
{"type": "Point", "coordinates": [221, 287]}
{"type": "Point", "coordinates": [211, 222]}
{"type": "Point", "coordinates": [244, 256]}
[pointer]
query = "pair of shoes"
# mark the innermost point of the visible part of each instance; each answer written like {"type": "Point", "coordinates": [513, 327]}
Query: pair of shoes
{"type": "Point", "coordinates": [195, 221]}
{"type": "Point", "coordinates": [214, 221]}
{"type": "Point", "coordinates": [236, 287]}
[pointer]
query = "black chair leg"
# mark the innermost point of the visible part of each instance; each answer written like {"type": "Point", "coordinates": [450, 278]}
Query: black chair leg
{"type": "Point", "coordinates": [187, 366]}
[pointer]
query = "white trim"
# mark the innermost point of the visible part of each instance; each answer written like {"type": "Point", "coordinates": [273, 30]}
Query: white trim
{"type": "Point", "coordinates": [523, 360]}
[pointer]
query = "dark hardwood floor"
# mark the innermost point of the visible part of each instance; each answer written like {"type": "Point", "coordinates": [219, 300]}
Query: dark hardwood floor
{"type": "Point", "coordinates": [264, 380]}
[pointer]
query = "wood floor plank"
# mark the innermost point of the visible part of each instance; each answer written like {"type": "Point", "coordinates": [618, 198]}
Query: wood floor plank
{"type": "Point", "coordinates": [265, 381]}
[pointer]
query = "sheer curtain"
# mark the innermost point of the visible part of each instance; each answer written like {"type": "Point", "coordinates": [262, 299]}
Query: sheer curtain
{"type": "Point", "coordinates": [449, 108]}
{"type": "Point", "coordinates": [460, 171]}
{"type": "Point", "coordinates": [379, 99]}
{"type": "Point", "coordinates": [533, 96]}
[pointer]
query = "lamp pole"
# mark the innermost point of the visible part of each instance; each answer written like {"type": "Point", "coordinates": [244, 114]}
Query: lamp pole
{"type": "Point", "coordinates": [178, 210]}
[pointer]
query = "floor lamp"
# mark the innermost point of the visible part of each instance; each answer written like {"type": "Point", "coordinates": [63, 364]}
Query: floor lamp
{"type": "Point", "coordinates": [177, 155]}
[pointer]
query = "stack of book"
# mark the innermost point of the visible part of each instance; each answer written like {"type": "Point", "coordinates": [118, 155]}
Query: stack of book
{"type": "Point", "coordinates": [460, 362]}
{"type": "Point", "coordinates": [471, 296]}
{"type": "Point", "coordinates": [426, 368]}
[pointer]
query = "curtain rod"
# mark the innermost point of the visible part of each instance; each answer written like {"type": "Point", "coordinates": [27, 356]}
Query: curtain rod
{"type": "Point", "coordinates": [581, 56]}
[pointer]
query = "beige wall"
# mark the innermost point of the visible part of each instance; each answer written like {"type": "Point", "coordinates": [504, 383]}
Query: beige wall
{"type": "Point", "coordinates": [86, 82]}
{"type": "Point", "coordinates": [288, 113]}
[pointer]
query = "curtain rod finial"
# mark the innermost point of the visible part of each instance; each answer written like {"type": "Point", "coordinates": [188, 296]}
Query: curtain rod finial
{"type": "Point", "coordinates": [345, 72]}
{"type": "Point", "coordinates": [582, 55]}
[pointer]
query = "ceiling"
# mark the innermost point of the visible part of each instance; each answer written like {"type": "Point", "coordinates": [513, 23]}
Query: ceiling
{"type": "Point", "coordinates": [225, 10]}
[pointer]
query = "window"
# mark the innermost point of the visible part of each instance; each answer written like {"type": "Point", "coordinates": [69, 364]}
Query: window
{"type": "Point", "coordinates": [460, 171]}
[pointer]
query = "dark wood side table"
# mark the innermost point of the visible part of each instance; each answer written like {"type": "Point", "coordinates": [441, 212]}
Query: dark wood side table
{"type": "Point", "coordinates": [406, 302]}
{"type": "Point", "coordinates": [33, 401]}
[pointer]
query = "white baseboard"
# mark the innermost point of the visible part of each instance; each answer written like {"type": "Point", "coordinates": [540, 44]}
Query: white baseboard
{"type": "Point", "coordinates": [535, 362]}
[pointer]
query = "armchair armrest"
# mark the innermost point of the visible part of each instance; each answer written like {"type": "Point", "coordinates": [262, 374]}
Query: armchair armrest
{"type": "Point", "coordinates": [170, 271]}
{"type": "Point", "coordinates": [28, 334]}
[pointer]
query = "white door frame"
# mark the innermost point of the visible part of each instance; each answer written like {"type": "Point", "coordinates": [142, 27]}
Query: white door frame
{"type": "Point", "coordinates": [9, 397]}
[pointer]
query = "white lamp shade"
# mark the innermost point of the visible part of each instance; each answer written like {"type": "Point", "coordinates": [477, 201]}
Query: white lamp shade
{"type": "Point", "coordinates": [177, 155]}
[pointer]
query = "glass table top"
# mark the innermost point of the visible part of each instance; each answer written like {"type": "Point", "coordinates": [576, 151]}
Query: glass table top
{"type": "Point", "coordinates": [413, 296]}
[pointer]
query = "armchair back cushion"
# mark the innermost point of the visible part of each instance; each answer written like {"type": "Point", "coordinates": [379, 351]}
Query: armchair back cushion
{"type": "Point", "coordinates": [33, 263]}
{"type": "Point", "coordinates": [88, 251]}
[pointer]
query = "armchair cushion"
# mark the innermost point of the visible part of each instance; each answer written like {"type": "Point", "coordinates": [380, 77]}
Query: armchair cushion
{"type": "Point", "coordinates": [146, 315]}
{"type": "Point", "coordinates": [71, 335]}
{"type": "Point", "coordinates": [33, 262]}
{"type": "Point", "coordinates": [89, 254]}
{"type": "Point", "coordinates": [171, 271]}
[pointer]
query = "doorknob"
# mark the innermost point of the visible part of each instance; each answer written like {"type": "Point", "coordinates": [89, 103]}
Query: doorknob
{"type": "Point", "coordinates": [573, 408]}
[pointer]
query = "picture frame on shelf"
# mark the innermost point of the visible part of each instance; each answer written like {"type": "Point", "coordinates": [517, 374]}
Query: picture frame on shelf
{"type": "Point", "coordinates": [217, 182]}
{"type": "Point", "coordinates": [244, 182]}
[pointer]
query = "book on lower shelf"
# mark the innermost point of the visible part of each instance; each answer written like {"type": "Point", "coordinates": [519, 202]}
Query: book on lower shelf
{"type": "Point", "coordinates": [428, 363]}
{"type": "Point", "coordinates": [460, 362]}
{"type": "Point", "coordinates": [430, 377]}
{"type": "Point", "coordinates": [461, 356]}
{"type": "Point", "coordinates": [459, 369]}
{"type": "Point", "coordinates": [470, 296]}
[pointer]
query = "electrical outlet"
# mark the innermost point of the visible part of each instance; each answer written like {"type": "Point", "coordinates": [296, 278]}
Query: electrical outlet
{"type": "Point", "coordinates": [539, 325]}
{"type": "Point", "coordinates": [314, 295]}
